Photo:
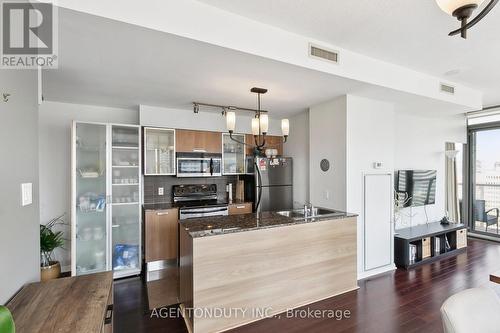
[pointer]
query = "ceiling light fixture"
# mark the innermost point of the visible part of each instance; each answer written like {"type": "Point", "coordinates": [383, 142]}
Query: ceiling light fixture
{"type": "Point", "coordinates": [260, 124]}
{"type": "Point", "coordinates": [462, 10]}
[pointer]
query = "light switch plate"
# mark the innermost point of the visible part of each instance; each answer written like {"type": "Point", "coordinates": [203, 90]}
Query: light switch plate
{"type": "Point", "coordinates": [160, 190]}
{"type": "Point", "coordinates": [26, 194]}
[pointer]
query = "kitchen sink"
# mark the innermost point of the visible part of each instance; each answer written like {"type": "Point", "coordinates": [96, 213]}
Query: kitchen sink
{"type": "Point", "coordinates": [299, 214]}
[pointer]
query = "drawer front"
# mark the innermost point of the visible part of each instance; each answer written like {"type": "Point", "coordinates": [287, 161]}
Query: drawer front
{"type": "Point", "coordinates": [244, 208]}
{"type": "Point", "coordinates": [426, 247]}
{"type": "Point", "coordinates": [461, 238]}
{"type": "Point", "coordinates": [161, 235]}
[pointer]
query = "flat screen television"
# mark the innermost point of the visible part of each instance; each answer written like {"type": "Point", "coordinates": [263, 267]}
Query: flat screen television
{"type": "Point", "coordinates": [417, 186]}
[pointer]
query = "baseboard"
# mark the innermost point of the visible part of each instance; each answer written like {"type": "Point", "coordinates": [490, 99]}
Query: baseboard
{"type": "Point", "coordinates": [377, 271]}
{"type": "Point", "coordinates": [482, 236]}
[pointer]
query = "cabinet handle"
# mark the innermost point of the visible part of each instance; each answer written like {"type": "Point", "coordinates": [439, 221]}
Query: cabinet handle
{"type": "Point", "coordinates": [162, 213]}
{"type": "Point", "coordinates": [109, 315]}
{"type": "Point", "coordinates": [199, 150]}
{"type": "Point", "coordinates": [240, 207]}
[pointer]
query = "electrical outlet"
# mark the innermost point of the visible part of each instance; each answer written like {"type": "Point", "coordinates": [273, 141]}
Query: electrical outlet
{"type": "Point", "coordinates": [160, 190]}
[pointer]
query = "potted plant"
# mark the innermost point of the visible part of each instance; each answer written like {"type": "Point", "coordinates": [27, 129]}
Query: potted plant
{"type": "Point", "coordinates": [49, 241]}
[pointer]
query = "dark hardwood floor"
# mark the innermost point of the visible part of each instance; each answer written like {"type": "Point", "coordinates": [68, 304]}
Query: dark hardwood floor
{"type": "Point", "coordinates": [400, 301]}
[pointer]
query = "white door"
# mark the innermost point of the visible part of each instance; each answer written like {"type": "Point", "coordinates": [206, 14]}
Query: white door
{"type": "Point", "coordinates": [378, 235]}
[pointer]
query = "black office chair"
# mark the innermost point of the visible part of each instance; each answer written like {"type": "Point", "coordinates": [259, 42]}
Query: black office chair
{"type": "Point", "coordinates": [483, 215]}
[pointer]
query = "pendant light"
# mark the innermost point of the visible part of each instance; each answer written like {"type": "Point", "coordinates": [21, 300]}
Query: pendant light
{"type": "Point", "coordinates": [260, 124]}
{"type": "Point", "coordinates": [462, 10]}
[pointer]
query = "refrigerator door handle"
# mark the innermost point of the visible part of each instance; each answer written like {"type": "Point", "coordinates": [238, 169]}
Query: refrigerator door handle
{"type": "Point", "coordinates": [259, 187]}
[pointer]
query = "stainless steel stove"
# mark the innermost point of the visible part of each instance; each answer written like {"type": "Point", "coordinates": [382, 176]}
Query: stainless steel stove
{"type": "Point", "coordinates": [198, 201]}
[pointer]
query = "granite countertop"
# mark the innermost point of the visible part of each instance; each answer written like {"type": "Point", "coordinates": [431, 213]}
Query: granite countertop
{"type": "Point", "coordinates": [220, 225]}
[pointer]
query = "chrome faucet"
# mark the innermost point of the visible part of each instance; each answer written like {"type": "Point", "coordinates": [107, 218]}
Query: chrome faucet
{"type": "Point", "coordinates": [308, 209]}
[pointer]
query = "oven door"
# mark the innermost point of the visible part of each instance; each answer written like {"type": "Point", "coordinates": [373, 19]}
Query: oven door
{"type": "Point", "coordinates": [198, 167]}
{"type": "Point", "coordinates": [191, 213]}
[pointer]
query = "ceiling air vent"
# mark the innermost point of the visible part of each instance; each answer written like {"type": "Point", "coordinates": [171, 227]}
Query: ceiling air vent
{"type": "Point", "coordinates": [447, 89]}
{"type": "Point", "coordinates": [324, 54]}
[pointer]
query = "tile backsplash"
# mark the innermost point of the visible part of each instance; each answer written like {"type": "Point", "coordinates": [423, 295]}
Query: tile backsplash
{"type": "Point", "coordinates": [152, 183]}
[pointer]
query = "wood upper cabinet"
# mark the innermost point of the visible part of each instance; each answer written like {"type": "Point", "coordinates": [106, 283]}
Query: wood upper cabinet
{"type": "Point", "coordinates": [272, 142]}
{"type": "Point", "coordinates": [188, 141]}
{"type": "Point", "coordinates": [161, 241]}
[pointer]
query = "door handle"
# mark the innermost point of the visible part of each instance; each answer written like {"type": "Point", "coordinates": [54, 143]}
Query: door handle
{"type": "Point", "coordinates": [161, 213]}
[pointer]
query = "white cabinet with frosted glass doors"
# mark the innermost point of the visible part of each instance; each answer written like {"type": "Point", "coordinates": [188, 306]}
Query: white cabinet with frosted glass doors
{"type": "Point", "coordinates": [233, 154]}
{"type": "Point", "coordinates": [106, 199]}
{"type": "Point", "coordinates": [159, 151]}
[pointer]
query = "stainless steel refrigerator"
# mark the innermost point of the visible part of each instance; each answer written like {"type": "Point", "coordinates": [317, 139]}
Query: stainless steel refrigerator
{"type": "Point", "coordinates": [273, 184]}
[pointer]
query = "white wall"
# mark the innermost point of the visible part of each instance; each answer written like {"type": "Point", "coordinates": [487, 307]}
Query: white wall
{"type": "Point", "coordinates": [297, 147]}
{"type": "Point", "coordinates": [203, 121]}
{"type": "Point", "coordinates": [370, 138]}
{"type": "Point", "coordinates": [55, 156]}
{"type": "Point", "coordinates": [355, 132]}
{"type": "Point", "coordinates": [19, 226]}
{"type": "Point", "coordinates": [420, 144]}
{"type": "Point", "coordinates": [328, 126]}
{"type": "Point", "coordinates": [211, 26]}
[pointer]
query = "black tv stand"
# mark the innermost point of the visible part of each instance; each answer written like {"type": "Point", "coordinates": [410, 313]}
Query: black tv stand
{"type": "Point", "coordinates": [432, 241]}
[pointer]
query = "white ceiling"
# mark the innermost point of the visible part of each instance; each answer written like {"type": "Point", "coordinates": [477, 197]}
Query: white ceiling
{"type": "Point", "coordinates": [105, 62]}
{"type": "Point", "coordinates": [111, 63]}
{"type": "Point", "coordinates": [410, 33]}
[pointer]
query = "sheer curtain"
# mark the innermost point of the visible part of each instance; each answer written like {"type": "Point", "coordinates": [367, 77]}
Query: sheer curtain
{"type": "Point", "coordinates": [452, 205]}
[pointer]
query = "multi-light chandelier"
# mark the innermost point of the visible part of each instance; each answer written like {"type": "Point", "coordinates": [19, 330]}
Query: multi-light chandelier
{"type": "Point", "coordinates": [462, 10]}
{"type": "Point", "coordinates": [260, 121]}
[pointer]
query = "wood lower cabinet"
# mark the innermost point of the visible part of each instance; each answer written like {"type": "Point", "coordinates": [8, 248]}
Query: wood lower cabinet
{"type": "Point", "coordinates": [243, 208]}
{"type": "Point", "coordinates": [161, 241]}
{"type": "Point", "coordinates": [188, 141]}
{"type": "Point", "coordinates": [272, 142]}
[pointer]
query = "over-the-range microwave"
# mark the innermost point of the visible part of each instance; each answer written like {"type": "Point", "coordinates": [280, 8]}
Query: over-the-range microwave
{"type": "Point", "coordinates": [199, 165]}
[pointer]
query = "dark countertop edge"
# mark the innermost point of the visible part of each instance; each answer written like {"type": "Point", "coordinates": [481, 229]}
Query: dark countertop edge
{"type": "Point", "coordinates": [290, 222]}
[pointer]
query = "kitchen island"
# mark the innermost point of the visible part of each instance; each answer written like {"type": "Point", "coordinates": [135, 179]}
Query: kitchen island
{"type": "Point", "coordinates": [239, 269]}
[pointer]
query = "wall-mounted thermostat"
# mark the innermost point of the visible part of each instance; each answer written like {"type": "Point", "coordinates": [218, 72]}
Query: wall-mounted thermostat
{"type": "Point", "coordinates": [378, 165]}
